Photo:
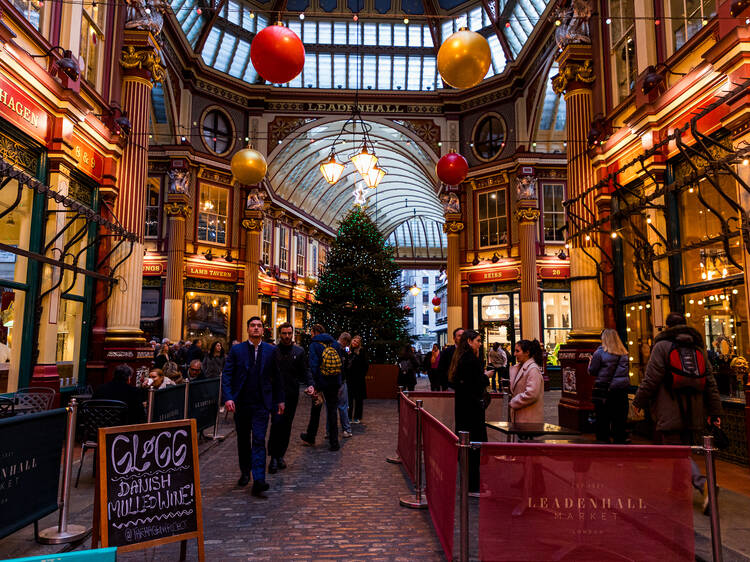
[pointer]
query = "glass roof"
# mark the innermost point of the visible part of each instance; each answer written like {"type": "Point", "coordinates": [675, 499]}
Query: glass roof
{"type": "Point", "coordinates": [378, 55]}
{"type": "Point", "coordinates": [408, 187]}
{"type": "Point", "coordinates": [419, 237]}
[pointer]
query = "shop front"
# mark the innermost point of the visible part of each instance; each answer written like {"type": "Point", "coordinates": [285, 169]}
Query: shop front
{"type": "Point", "coordinates": [210, 302]}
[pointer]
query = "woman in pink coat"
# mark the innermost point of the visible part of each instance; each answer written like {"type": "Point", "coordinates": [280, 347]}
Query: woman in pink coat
{"type": "Point", "coordinates": [527, 383]}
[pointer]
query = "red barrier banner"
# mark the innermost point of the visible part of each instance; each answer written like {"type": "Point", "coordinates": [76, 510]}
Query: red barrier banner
{"type": "Point", "coordinates": [440, 467]}
{"type": "Point", "coordinates": [585, 503]}
{"type": "Point", "coordinates": [407, 434]}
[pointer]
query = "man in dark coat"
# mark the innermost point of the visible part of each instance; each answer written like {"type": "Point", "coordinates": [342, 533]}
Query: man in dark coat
{"type": "Point", "coordinates": [251, 387]}
{"type": "Point", "coordinates": [291, 362]}
{"type": "Point", "coordinates": [119, 389]}
{"type": "Point", "coordinates": [446, 356]}
{"type": "Point", "coordinates": [676, 413]}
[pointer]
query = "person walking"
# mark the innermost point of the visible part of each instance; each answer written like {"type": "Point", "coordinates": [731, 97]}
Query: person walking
{"type": "Point", "coordinates": [446, 358]}
{"type": "Point", "coordinates": [432, 361]}
{"type": "Point", "coordinates": [680, 390]}
{"type": "Point", "coordinates": [466, 376]}
{"type": "Point", "coordinates": [291, 363]}
{"type": "Point", "coordinates": [326, 372]}
{"type": "Point", "coordinates": [609, 364]}
{"type": "Point", "coordinates": [213, 364]}
{"type": "Point", "coordinates": [407, 368]}
{"type": "Point", "coordinates": [251, 388]}
{"type": "Point", "coordinates": [496, 359]}
{"type": "Point", "coordinates": [527, 383]}
{"type": "Point", "coordinates": [357, 375]}
{"type": "Point", "coordinates": [345, 339]}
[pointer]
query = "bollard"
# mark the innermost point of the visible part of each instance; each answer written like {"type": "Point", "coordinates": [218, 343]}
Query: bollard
{"type": "Point", "coordinates": [63, 532]}
{"type": "Point", "coordinates": [187, 400]}
{"type": "Point", "coordinates": [150, 404]}
{"type": "Point", "coordinates": [708, 447]}
{"type": "Point", "coordinates": [419, 501]}
{"type": "Point", "coordinates": [216, 436]}
{"type": "Point", "coordinates": [396, 459]}
{"type": "Point", "coordinates": [464, 446]}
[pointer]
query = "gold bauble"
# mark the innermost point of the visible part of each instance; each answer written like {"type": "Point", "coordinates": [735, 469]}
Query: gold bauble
{"type": "Point", "coordinates": [436, 309]}
{"type": "Point", "coordinates": [249, 166]}
{"type": "Point", "coordinates": [463, 59]}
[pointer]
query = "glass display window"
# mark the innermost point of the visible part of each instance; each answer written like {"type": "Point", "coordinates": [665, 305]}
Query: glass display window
{"type": "Point", "coordinates": [207, 315]}
{"type": "Point", "coordinates": [68, 341]}
{"type": "Point", "coordinates": [639, 337]}
{"type": "Point", "coordinates": [282, 315]}
{"type": "Point", "coordinates": [556, 314]}
{"type": "Point", "coordinates": [212, 214]}
{"type": "Point", "coordinates": [299, 319]}
{"type": "Point", "coordinates": [498, 317]}
{"type": "Point", "coordinates": [492, 218]}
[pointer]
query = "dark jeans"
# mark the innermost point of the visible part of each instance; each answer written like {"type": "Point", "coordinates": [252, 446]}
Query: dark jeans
{"type": "Point", "coordinates": [434, 379]}
{"type": "Point", "coordinates": [251, 422]}
{"type": "Point", "coordinates": [331, 396]}
{"type": "Point", "coordinates": [281, 426]}
{"type": "Point", "coordinates": [612, 416]}
{"type": "Point", "coordinates": [355, 404]}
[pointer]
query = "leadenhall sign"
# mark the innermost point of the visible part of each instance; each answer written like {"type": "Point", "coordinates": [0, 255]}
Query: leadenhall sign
{"type": "Point", "coordinates": [21, 110]}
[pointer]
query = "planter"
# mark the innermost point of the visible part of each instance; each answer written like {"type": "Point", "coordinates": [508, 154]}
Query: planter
{"type": "Point", "coordinates": [381, 381]}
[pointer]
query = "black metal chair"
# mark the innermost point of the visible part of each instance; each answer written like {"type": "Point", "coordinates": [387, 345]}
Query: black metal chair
{"type": "Point", "coordinates": [38, 398]}
{"type": "Point", "coordinates": [94, 414]}
{"type": "Point", "coordinates": [7, 407]}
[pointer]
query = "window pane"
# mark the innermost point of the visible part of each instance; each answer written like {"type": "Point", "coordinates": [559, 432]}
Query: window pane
{"type": "Point", "coordinates": [339, 33]}
{"type": "Point", "coordinates": [309, 32]}
{"type": "Point", "coordinates": [399, 73]}
{"type": "Point", "coordinates": [428, 73]}
{"type": "Point", "coordinates": [339, 71]}
{"type": "Point", "coordinates": [384, 72]}
{"type": "Point", "coordinates": [353, 76]}
{"type": "Point", "coordinates": [324, 70]}
{"type": "Point", "coordinates": [369, 72]}
{"type": "Point", "coordinates": [399, 35]}
{"type": "Point", "coordinates": [310, 72]}
{"type": "Point", "coordinates": [415, 73]}
{"type": "Point", "coordinates": [415, 36]}
{"type": "Point", "coordinates": [384, 32]}
{"type": "Point", "coordinates": [370, 33]}
{"type": "Point", "coordinates": [325, 32]}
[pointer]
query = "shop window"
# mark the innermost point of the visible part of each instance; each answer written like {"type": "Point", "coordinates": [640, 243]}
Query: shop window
{"type": "Point", "coordinates": [217, 131]}
{"type": "Point", "coordinates": [313, 269]}
{"type": "Point", "coordinates": [299, 319]}
{"type": "Point", "coordinates": [425, 297]}
{"type": "Point", "coordinates": [267, 242]}
{"type": "Point", "coordinates": [207, 315]}
{"type": "Point", "coordinates": [150, 303]}
{"type": "Point", "coordinates": [687, 17]}
{"type": "Point", "coordinates": [68, 341]}
{"type": "Point", "coordinates": [282, 315]}
{"type": "Point", "coordinates": [92, 39]}
{"type": "Point", "coordinates": [488, 137]}
{"type": "Point", "coordinates": [283, 248]}
{"type": "Point", "coordinates": [498, 317]}
{"type": "Point", "coordinates": [32, 10]}
{"type": "Point", "coordinates": [322, 262]}
{"type": "Point", "coordinates": [554, 213]}
{"type": "Point", "coordinates": [493, 221]}
{"type": "Point", "coordinates": [556, 312]}
{"type": "Point", "coordinates": [153, 200]}
{"type": "Point", "coordinates": [639, 337]}
{"type": "Point", "coordinates": [212, 215]}
{"type": "Point", "coordinates": [265, 312]}
{"type": "Point", "coordinates": [301, 246]}
{"type": "Point", "coordinates": [622, 47]}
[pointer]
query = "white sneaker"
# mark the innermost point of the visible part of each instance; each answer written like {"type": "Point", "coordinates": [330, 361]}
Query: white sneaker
{"type": "Point", "coordinates": [347, 434]}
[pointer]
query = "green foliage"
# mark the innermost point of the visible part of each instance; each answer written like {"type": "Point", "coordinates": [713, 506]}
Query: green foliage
{"type": "Point", "coordinates": [359, 290]}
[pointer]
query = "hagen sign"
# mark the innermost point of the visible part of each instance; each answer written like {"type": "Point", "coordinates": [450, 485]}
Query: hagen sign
{"type": "Point", "coordinates": [21, 110]}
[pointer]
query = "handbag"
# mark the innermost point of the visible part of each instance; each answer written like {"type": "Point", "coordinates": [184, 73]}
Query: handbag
{"type": "Point", "coordinates": [721, 440]}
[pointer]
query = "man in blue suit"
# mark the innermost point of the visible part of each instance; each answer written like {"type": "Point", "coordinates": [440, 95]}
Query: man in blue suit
{"type": "Point", "coordinates": [252, 388]}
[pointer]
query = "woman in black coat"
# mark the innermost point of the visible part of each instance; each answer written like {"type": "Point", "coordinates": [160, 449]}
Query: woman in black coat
{"type": "Point", "coordinates": [466, 376]}
{"type": "Point", "coordinates": [357, 379]}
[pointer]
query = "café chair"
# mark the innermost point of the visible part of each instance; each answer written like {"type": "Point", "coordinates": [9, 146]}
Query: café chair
{"type": "Point", "coordinates": [7, 407]}
{"type": "Point", "coordinates": [37, 398]}
{"type": "Point", "coordinates": [92, 415]}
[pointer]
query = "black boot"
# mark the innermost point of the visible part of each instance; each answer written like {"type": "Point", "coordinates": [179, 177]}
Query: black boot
{"type": "Point", "coordinates": [281, 463]}
{"type": "Point", "coordinates": [259, 486]}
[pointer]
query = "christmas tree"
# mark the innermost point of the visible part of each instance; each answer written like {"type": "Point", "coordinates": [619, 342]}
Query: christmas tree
{"type": "Point", "coordinates": [359, 289]}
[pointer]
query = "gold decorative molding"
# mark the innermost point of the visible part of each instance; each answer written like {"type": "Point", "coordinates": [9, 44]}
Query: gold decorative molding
{"type": "Point", "coordinates": [177, 209]}
{"type": "Point", "coordinates": [453, 227]}
{"type": "Point", "coordinates": [527, 215]}
{"type": "Point", "coordinates": [144, 59]}
{"type": "Point", "coordinates": [573, 71]}
{"type": "Point", "coordinates": [252, 225]}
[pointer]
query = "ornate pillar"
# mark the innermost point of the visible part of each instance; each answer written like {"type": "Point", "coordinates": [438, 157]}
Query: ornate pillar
{"type": "Point", "coordinates": [177, 209]}
{"type": "Point", "coordinates": [453, 227]}
{"type": "Point", "coordinates": [253, 225]}
{"type": "Point", "coordinates": [141, 65]}
{"type": "Point", "coordinates": [575, 80]}
{"type": "Point", "coordinates": [527, 214]}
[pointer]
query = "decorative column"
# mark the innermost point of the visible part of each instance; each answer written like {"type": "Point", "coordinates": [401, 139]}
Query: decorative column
{"type": "Point", "coordinates": [527, 214]}
{"type": "Point", "coordinates": [253, 225]}
{"type": "Point", "coordinates": [177, 209]}
{"type": "Point", "coordinates": [141, 65]}
{"type": "Point", "coordinates": [575, 80]}
{"type": "Point", "coordinates": [453, 227]}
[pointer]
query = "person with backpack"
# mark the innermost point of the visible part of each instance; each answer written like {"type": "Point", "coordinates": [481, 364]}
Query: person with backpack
{"type": "Point", "coordinates": [609, 365]}
{"type": "Point", "coordinates": [679, 389]}
{"type": "Point", "coordinates": [325, 366]}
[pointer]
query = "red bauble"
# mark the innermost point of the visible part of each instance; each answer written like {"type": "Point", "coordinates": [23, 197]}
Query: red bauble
{"type": "Point", "coordinates": [407, 308]}
{"type": "Point", "coordinates": [436, 301]}
{"type": "Point", "coordinates": [452, 168]}
{"type": "Point", "coordinates": [277, 53]}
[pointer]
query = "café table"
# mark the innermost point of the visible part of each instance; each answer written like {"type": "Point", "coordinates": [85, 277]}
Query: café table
{"type": "Point", "coordinates": [524, 431]}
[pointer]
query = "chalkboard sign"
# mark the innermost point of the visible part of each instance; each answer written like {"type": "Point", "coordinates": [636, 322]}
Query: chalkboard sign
{"type": "Point", "coordinates": [203, 402]}
{"type": "Point", "coordinates": [149, 485]}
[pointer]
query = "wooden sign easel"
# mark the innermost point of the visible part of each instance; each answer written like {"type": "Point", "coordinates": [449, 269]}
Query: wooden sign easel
{"type": "Point", "coordinates": [101, 527]}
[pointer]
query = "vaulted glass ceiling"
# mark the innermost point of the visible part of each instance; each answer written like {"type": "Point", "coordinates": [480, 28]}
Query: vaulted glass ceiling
{"type": "Point", "coordinates": [419, 238]}
{"type": "Point", "coordinates": [372, 54]}
{"type": "Point", "coordinates": [408, 187]}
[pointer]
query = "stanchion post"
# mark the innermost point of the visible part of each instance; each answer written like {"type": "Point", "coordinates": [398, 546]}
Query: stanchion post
{"type": "Point", "coordinates": [708, 447]}
{"type": "Point", "coordinates": [464, 446]}
{"type": "Point", "coordinates": [187, 399]}
{"type": "Point", "coordinates": [419, 501]}
{"type": "Point", "coordinates": [396, 459]}
{"type": "Point", "coordinates": [216, 435]}
{"type": "Point", "coordinates": [150, 404]}
{"type": "Point", "coordinates": [63, 532]}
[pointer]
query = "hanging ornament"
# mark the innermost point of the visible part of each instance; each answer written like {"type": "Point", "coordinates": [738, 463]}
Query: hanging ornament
{"type": "Point", "coordinates": [248, 166]}
{"type": "Point", "coordinates": [277, 53]}
{"type": "Point", "coordinates": [436, 301]}
{"type": "Point", "coordinates": [452, 168]}
{"type": "Point", "coordinates": [463, 59]}
{"type": "Point", "coordinates": [359, 197]}
{"type": "Point", "coordinates": [436, 309]}
{"type": "Point", "coordinates": [407, 308]}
